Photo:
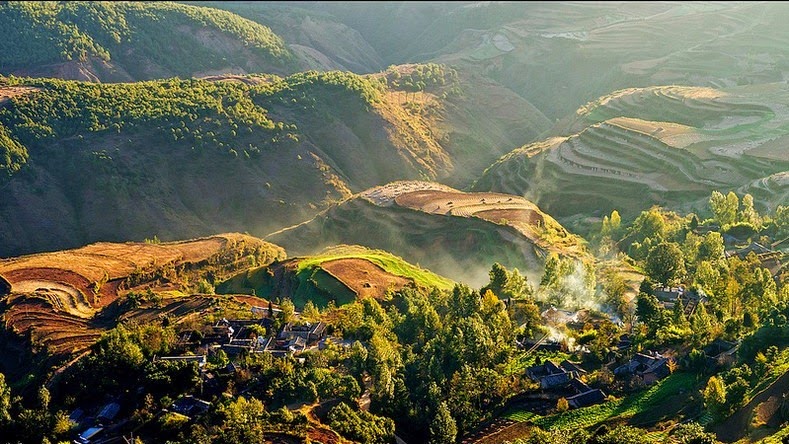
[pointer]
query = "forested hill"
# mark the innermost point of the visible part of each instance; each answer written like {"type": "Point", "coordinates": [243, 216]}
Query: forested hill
{"type": "Point", "coordinates": [180, 158]}
{"type": "Point", "coordinates": [123, 41]}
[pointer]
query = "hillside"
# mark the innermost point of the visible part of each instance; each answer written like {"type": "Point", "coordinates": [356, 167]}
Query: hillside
{"type": "Point", "coordinates": [456, 234]}
{"type": "Point", "coordinates": [340, 274]}
{"type": "Point", "coordinates": [180, 158]}
{"type": "Point", "coordinates": [184, 158]}
{"type": "Point", "coordinates": [62, 301]}
{"type": "Point", "coordinates": [666, 145]}
{"type": "Point", "coordinates": [123, 41]}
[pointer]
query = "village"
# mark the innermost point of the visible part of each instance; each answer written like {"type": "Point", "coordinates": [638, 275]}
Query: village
{"type": "Point", "coordinates": [564, 375]}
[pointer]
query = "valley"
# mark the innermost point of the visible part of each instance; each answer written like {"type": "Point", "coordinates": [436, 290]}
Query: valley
{"type": "Point", "coordinates": [394, 222]}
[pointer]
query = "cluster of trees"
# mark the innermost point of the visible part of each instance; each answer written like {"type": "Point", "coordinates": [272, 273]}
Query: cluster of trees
{"type": "Point", "coordinates": [672, 251]}
{"type": "Point", "coordinates": [228, 116]}
{"type": "Point", "coordinates": [435, 359]}
{"type": "Point", "coordinates": [39, 33]}
{"type": "Point", "coordinates": [422, 77]}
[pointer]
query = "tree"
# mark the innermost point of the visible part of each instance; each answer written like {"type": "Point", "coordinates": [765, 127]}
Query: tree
{"type": "Point", "coordinates": [5, 400]}
{"type": "Point", "coordinates": [678, 314]}
{"type": "Point", "coordinates": [562, 405]}
{"type": "Point", "coordinates": [748, 213]}
{"type": "Point", "coordinates": [700, 324]}
{"type": "Point", "coordinates": [44, 398]}
{"type": "Point", "coordinates": [443, 429]}
{"type": "Point", "coordinates": [287, 311]}
{"type": "Point", "coordinates": [665, 263]}
{"type": "Point", "coordinates": [724, 207]}
{"type": "Point", "coordinates": [518, 286]}
{"type": "Point", "coordinates": [615, 222]}
{"type": "Point", "coordinates": [715, 396]}
{"type": "Point", "coordinates": [498, 280]}
{"type": "Point", "coordinates": [649, 311]}
{"type": "Point", "coordinates": [692, 433]}
{"type": "Point", "coordinates": [711, 247]}
{"type": "Point", "coordinates": [310, 312]}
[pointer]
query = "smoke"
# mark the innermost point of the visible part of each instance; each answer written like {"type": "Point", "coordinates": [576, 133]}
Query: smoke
{"type": "Point", "coordinates": [574, 288]}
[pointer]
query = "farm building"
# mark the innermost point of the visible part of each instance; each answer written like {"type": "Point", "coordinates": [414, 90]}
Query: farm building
{"type": "Point", "coordinates": [190, 406]}
{"type": "Point", "coordinates": [651, 366]}
{"type": "Point", "coordinates": [550, 375]}
{"type": "Point", "coordinates": [587, 398]}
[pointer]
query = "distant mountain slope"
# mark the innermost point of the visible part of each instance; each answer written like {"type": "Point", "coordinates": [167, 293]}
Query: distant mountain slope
{"type": "Point", "coordinates": [318, 40]}
{"type": "Point", "coordinates": [340, 274]}
{"type": "Point", "coordinates": [666, 145]}
{"type": "Point", "coordinates": [558, 55]}
{"type": "Point", "coordinates": [456, 234]}
{"type": "Point", "coordinates": [122, 41]}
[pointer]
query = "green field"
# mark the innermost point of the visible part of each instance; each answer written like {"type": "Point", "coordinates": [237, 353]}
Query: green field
{"type": "Point", "coordinates": [310, 282]}
{"type": "Point", "coordinates": [389, 262]}
{"type": "Point", "coordinates": [643, 407]}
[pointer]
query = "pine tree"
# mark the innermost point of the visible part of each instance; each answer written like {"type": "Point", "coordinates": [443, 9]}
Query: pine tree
{"type": "Point", "coordinates": [443, 428]}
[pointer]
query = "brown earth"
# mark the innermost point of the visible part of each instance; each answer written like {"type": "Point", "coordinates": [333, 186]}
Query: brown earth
{"type": "Point", "coordinates": [8, 92]}
{"type": "Point", "coordinates": [365, 278]}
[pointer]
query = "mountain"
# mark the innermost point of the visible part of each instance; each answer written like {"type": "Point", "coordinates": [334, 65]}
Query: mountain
{"type": "Point", "coordinates": [340, 274]}
{"type": "Point", "coordinates": [667, 145]}
{"type": "Point", "coordinates": [456, 234]}
{"type": "Point", "coordinates": [124, 41]}
{"type": "Point", "coordinates": [180, 158]}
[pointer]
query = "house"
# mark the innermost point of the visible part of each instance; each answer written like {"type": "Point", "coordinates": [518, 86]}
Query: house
{"type": "Point", "coordinates": [587, 398]}
{"type": "Point", "coordinates": [297, 344]}
{"type": "Point", "coordinates": [572, 367]}
{"type": "Point", "coordinates": [76, 415]}
{"type": "Point", "coordinates": [109, 412]}
{"type": "Point", "coordinates": [316, 333]}
{"type": "Point", "coordinates": [190, 406]}
{"type": "Point", "coordinates": [721, 353]}
{"type": "Point", "coordinates": [651, 366]}
{"type": "Point", "coordinates": [219, 334]}
{"type": "Point", "coordinates": [88, 435]}
{"type": "Point", "coordinates": [550, 375]}
{"type": "Point", "coordinates": [769, 258]}
{"type": "Point", "coordinates": [625, 342]}
{"type": "Point", "coordinates": [555, 316]}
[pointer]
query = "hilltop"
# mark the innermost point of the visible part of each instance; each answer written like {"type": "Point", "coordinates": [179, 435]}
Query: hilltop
{"type": "Point", "coordinates": [455, 233]}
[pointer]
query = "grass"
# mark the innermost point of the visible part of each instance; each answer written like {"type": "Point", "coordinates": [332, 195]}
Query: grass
{"type": "Point", "coordinates": [389, 262]}
{"type": "Point", "coordinates": [522, 416]}
{"type": "Point", "coordinates": [521, 362]}
{"type": "Point", "coordinates": [646, 405]}
{"type": "Point", "coordinates": [317, 285]}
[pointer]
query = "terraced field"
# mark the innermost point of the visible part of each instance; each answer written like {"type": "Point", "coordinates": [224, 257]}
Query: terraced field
{"type": "Point", "coordinates": [57, 299]}
{"type": "Point", "coordinates": [457, 234]}
{"type": "Point", "coordinates": [659, 145]}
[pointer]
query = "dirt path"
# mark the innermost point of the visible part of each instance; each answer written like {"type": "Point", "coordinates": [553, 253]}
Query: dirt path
{"type": "Point", "coordinates": [735, 427]}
